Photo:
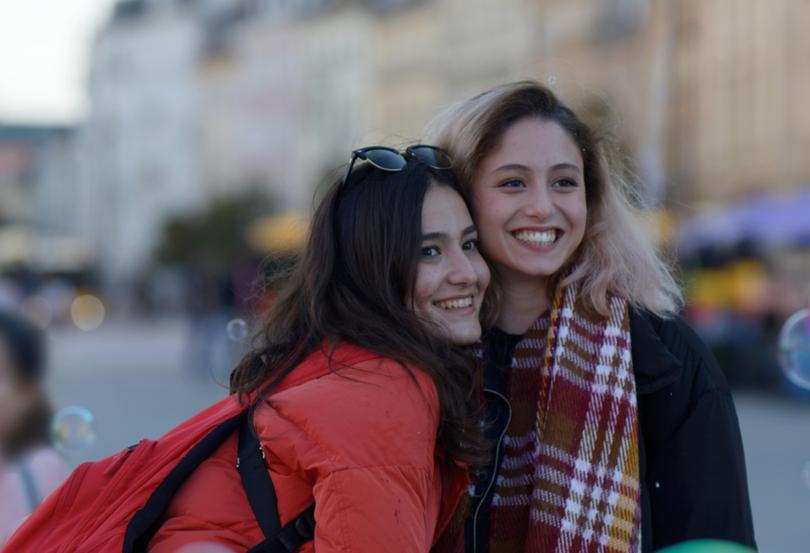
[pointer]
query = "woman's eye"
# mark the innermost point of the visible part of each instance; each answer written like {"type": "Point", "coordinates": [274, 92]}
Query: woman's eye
{"type": "Point", "coordinates": [430, 251]}
{"type": "Point", "coordinates": [470, 245]}
{"type": "Point", "coordinates": [512, 183]}
{"type": "Point", "coordinates": [566, 183]}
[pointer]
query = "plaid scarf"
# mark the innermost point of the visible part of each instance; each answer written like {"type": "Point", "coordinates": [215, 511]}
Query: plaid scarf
{"type": "Point", "coordinates": [569, 478]}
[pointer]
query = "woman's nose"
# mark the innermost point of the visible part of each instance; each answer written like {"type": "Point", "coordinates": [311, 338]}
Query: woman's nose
{"type": "Point", "coordinates": [461, 271]}
{"type": "Point", "coordinates": [539, 203]}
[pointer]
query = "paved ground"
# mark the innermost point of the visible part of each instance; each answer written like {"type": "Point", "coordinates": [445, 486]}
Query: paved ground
{"type": "Point", "coordinates": [132, 378]}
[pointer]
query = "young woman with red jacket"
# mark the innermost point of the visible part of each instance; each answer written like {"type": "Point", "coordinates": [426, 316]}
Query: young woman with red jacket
{"type": "Point", "coordinates": [363, 405]}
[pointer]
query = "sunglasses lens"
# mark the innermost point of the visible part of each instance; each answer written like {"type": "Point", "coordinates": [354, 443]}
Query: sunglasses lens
{"type": "Point", "coordinates": [385, 159]}
{"type": "Point", "coordinates": [431, 156]}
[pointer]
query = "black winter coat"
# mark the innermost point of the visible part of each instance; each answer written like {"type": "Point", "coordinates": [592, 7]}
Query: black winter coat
{"type": "Point", "coordinates": [692, 466]}
{"type": "Point", "coordinates": [693, 480]}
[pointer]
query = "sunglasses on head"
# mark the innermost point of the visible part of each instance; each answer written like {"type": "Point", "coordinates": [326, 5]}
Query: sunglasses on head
{"type": "Point", "coordinates": [389, 159]}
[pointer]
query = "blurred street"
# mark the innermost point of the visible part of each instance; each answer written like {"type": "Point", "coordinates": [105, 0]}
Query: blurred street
{"type": "Point", "coordinates": [776, 435]}
{"type": "Point", "coordinates": [132, 379]}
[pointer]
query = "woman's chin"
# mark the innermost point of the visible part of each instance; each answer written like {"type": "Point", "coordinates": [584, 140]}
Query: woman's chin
{"type": "Point", "coordinates": [463, 334]}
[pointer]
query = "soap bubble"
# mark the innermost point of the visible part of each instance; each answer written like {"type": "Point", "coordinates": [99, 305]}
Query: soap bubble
{"type": "Point", "coordinates": [794, 348]}
{"type": "Point", "coordinates": [73, 430]}
{"type": "Point", "coordinates": [87, 312]}
{"type": "Point", "coordinates": [237, 330]}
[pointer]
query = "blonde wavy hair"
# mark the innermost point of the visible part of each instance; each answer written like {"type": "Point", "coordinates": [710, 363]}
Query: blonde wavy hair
{"type": "Point", "coordinates": [617, 255]}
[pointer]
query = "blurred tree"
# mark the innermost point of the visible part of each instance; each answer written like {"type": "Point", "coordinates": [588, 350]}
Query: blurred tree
{"type": "Point", "coordinates": [214, 239]}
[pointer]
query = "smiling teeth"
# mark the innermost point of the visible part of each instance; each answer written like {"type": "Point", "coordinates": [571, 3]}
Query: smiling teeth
{"type": "Point", "coordinates": [543, 238]}
{"type": "Point", "coordinates": [460, 303]}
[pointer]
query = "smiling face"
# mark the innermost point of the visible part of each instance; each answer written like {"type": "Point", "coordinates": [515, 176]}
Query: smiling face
{"type": "Point", "coordinates": [529, 199]}
{"type": "Point", "coordinates": [451, 275]}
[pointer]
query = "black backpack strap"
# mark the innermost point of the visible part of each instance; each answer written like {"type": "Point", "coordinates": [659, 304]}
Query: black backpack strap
{"type": "Point", "coordinates": [262, 498]}
{"type": "Point", "coordinates": [146, 522]}
{"type": "Point", "coordinates": [295, 534]}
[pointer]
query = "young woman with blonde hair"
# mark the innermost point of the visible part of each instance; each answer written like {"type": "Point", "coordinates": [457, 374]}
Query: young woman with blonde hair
{"type": "Point", "coordinates": [612, 426]}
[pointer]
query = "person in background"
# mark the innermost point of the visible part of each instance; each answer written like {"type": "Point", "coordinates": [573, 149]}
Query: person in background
{"type": "Point", "coordinates": [612, 426]}
{"type": "Point", "coordinates": [30, 468]}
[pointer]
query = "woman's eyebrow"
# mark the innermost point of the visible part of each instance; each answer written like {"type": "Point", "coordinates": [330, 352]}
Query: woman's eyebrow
{"type": "Point", "coordinates": [525, 168]}
{"type": "Point", "coordinates": [443, 235]}
{"type": "Point", "coordinates": [567, 166]}
{"type": "Point", "coordinates": [512, 167]}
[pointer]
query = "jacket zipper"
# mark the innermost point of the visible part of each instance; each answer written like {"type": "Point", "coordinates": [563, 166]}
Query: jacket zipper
{"type": "Point", "coordinates": [495, 466]}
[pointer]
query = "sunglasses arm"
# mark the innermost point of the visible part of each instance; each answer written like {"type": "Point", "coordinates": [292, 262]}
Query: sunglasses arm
{"type": "Point", "coordinates": [348, 169]}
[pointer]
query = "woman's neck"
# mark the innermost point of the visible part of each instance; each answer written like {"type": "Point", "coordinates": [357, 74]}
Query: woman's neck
{"type": "Point", "coordinates": [523, 300]}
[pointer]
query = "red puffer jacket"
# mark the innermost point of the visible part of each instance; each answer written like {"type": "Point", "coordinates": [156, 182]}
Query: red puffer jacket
{"type": "Point", "coordinates": [360, 443]}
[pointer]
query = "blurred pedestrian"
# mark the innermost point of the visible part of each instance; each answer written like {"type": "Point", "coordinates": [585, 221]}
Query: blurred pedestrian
{"type": "Point", "coordinates": [613, 427]}
{"type": "Point", "coordinates": [210, 353]}
{"type": "Point", "coordinates": [30, 468]}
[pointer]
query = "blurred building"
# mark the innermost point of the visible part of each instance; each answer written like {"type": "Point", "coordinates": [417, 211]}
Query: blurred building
{"type": "Point", "coordinates": [739, 109]}
{"type": "Point", "coordinates": [282, 96]}
{"type": "Point", "coordinates": [140, 138]}
{"type": "Point", "coordinates": [707, 95]}
{"type": "Point", "coordinates": [23, 149]}
{"type": "Point", "coordinates": [40, 200]}
{"type": "Point", "coordinates": [195, 99]}
{"type": "Point", "coordinates": [18, 148]}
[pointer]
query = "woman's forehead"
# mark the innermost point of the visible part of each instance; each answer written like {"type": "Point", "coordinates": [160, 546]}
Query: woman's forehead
{"type": "Point", "coordinates": [444, 210]}
{"type": "Point", "coordinates": [533, 143]}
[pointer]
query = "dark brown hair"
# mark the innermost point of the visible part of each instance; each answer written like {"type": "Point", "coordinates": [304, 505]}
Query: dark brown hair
{"type": "Point", "coordinates": [351, 285]}
{"type": "Point", "coordinates": [26, 347]}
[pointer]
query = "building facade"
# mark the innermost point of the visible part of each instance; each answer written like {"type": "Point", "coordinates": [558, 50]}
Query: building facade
{"type": "Point", "coordinates": [196, 99]}
{"type": "Point", "coordinates": [40, 199]}
{"type": "Point", "coordinates": [140, 155]}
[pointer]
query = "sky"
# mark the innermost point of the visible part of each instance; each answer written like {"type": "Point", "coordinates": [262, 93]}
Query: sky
{"type": "Point", "coordinates": [44, 47]}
